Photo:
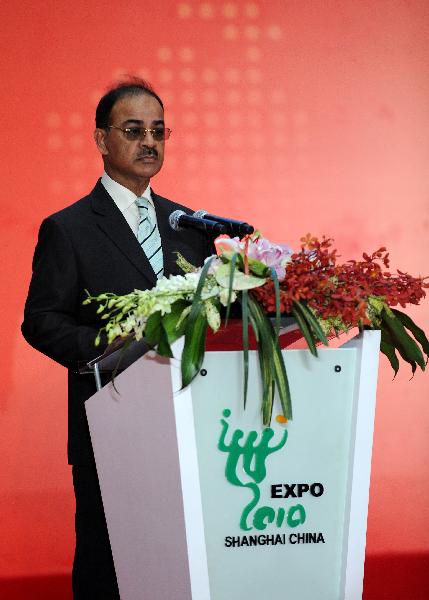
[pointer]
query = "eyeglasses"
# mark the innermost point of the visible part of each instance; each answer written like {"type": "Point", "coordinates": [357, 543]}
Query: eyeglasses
{"type": "Point", "coordinates": [132, 134]}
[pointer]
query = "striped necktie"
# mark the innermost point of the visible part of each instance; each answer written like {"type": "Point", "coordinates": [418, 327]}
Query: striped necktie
{"type": "Point", "coordinates": [149, 238]}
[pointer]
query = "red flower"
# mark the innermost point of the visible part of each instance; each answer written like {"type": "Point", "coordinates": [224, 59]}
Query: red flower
{"type": "Point", "coordinates": [340, 290]}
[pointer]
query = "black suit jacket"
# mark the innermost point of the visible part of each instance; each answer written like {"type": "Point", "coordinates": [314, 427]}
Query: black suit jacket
{"type": "Point", "coordinates": [90, 246]}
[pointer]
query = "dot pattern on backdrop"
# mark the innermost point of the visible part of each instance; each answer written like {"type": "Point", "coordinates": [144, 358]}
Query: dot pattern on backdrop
{"type": "Point", "coordinates": [64, 137]}
{"type": "Point", "coordinates": [225, 105]}
{"type": "Point", "coordinates": [226, 118]}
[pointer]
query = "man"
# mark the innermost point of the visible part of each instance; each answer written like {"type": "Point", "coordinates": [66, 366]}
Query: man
{"type": "Point", "coordinates": [115, 239]}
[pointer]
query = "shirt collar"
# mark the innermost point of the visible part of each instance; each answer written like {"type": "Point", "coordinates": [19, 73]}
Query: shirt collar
{"type": "Point", "coordinates": [122, 196]}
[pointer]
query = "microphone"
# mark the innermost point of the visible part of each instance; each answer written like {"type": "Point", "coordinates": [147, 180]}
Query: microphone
{"type": "Point", "coordinates": [180, 220]}
{"type": "Point", "coordinates": [233, 227]}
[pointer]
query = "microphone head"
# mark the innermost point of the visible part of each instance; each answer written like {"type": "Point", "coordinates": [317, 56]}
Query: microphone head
{"type": "Point", "coordinates": [246, 229]}
{"type": "Point", "coordinates": [174, 218]}
{"type": "Point", "coordinates": [200, 214]}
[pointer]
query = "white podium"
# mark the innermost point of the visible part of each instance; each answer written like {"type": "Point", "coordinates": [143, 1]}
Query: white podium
{"type": "Point", "coordinates": [203, 503]}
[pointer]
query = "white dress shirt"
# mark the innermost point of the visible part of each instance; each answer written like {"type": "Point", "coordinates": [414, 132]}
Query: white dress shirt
{"type": "Point", "coordinates": [125, 200]}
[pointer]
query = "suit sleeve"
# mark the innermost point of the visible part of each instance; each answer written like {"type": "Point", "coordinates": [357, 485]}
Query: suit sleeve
{"type": "Point", "coordinates": [50, 316]}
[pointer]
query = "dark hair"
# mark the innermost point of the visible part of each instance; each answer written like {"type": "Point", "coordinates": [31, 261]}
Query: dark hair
{"type": "Point", "coordinates": [132, 87]}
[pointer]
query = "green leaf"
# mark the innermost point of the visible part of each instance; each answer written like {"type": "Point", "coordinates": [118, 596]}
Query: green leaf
{"type": "Point", "coordinates": [305, 330]}
{"type": "Point", "coordinates": [388, 349]}
{"type": "Point", "coordinates": [267, 379]}
{"type": "Point", "coordinates": [404, 342]}
{"type": "Point", "coordinates": [281, 379]}
{"type": "Point", "coordinates": [418, 333]}
{"type": "Point", "coordinates": [267, 387]}
{"type": "Point", "coordinates": [268, 401]}
{"type": "Point", "coordinates": [245, 323]}
{"type": "Point", "coordinates": [193, 350]}
{"type": "Point", "coordinates": [181, 323]}
{"type": "Point", "coordinates": [152, 329]}
{"type": "Point", "coordinates": [312, 321]}
{"type": "Point", "coordinates": [231, 279]}
{"type": "Point", "coordinates": [225, 274]}
{"type": "Point", "coordinates": [258, 268]}
{"type": "Point", "coordinates": [277, 298]}
{"type": "Point", "coordinates": [195, 333]}
{"type": "Point", "coordinates": [163, 347]}
{"type": "Point", "coordinates": [183, 264]}
{"type": "Point", "coordinates": [173, 324]}
{"type": "Point", "coordinates": [156, 335]}
{"type": "Point", "coordinates": [197, 296]}
{"type": "Point", "coordinates": [271, 359]}
{"type": "Point", "coordinates": [385, 333]}
{"type": "Point", "coordinates": [213, 314]}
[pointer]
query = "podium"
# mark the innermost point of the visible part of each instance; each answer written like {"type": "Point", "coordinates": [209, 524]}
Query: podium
{"type": "Point", "coordinates": [204, 503]}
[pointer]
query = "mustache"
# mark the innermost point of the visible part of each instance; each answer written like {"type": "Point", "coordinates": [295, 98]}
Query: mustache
{"type": "Point", "coordinates": [147, 151]}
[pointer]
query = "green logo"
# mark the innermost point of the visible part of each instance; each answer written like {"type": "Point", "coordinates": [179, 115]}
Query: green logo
{"type": "Point", "coordinates": [251, 454]}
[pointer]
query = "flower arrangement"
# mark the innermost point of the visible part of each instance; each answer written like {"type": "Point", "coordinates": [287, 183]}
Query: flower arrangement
{"type": "Point", "coordinates": [324, 296]}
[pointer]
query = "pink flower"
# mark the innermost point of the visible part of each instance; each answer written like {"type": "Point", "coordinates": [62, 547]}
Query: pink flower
{"type": "Point", "coordinates": [271, 255]}
{"type": "Point", "coordinates": [227, 246]}
{"type": "Point", "coordinates": [259, 249]}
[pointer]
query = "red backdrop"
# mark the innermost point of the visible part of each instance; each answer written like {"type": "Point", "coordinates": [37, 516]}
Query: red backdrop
{"type": "Point", "coordinates": [297, 116]}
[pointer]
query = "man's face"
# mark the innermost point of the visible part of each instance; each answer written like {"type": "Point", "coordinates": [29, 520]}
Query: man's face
{"type": "Point", "coordinates": [132, 162]}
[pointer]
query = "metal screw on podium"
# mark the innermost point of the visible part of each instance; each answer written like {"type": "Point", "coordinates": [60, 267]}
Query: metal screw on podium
{"type": "Point", "coordinates": [337, 368]}
{"type": "Point", "coordinates": [203, 372]}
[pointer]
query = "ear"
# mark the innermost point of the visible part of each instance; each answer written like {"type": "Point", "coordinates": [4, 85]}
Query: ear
{"type": "Point", "coordinates": [100, 140]}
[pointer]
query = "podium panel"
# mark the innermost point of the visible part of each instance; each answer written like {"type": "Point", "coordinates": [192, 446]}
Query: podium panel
{"type": "Point", "coordinates": [133, 434]}
{"type": "Point", "coordinates": [204, 503]}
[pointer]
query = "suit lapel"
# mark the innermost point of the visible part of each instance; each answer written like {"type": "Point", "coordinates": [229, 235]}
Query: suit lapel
{"type": "Point", "coordinates": [114, 225]}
